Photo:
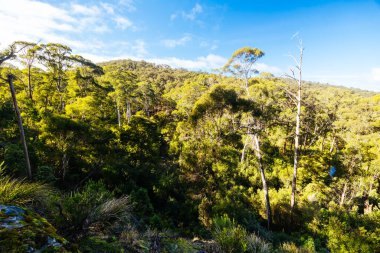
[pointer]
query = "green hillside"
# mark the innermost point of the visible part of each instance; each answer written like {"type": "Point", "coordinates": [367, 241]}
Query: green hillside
{"type": "Point", "coordinates": [129, 156]}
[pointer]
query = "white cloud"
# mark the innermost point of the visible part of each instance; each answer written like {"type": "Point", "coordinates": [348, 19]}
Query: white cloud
{"type": "Point", "coordinates": [123, 23]}
{"type": "Point", "coordinates": [375, 74]}
{"type": "Point", "coordinates": [101, 28]}
{"type": "Point", "coordinates": [190, 15]}
{"type": "Point", "coordinates": [85, 10]}
{"type": "Point", "coordinates": [366, 81]}
{"type": "Point", "coordinates": [197, 9]}
{"type": "Point", "coordinates": [262, 67]}
{"type": "Point", "coordinates": [108, 8]}
{"type": "Point", "coordinates": [31, 20]}
{"type": "Point", "coordinates": [139, 47]}
{"type": "Point", "coordinates": [171, 43]}
{"type": "Point", "coordinates": [208, 62]}
{"type": "Point", "coordinates": [129, 4]}
{"type": "Point", "coordinates": [72, 24]}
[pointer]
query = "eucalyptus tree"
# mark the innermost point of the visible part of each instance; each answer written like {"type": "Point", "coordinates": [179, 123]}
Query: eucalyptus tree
{"type": "Point", "coordinates": [208, 147]}
{"type": "Point", "coordinates": [241, 65]}
{"type": "Point", "coordinates": [124, 85]}
{"type": "Point", "coordinates": [56, 58]}
{"type": "Point", "coordinates": [29, 57]}
{"type": "Point", "coordinates": [296, 76]}
{"type": "Point", "coordinates": [5, 55]}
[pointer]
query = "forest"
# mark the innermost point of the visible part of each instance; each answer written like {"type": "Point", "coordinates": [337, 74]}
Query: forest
{"type": "Point", "coordinates": [131, 156]}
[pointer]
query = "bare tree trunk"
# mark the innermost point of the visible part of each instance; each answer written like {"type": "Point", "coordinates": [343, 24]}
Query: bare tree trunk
{"type": "Point", "coordinates": [129, 112]}
{"type": "Point", "coordinates": [322, 144]}
{"type": "Point", "coordinates": [22, 133]}
{"type": "Point", "coordinates": [343, 196]}
{"type": "Point", "coordinates": [246, 85]}
{"type": "Point", "coordinates": [263, 179]}
{"type": "Point", "coordinates": [332, 145]}
{"type": "Point", "coordinates": [297, 136]}
{"type": "Point", "coordinates": [243, 151]}
{"type": "Point", "coordinates": [118, 114]}
{"type": "Point", "coordinates": [30, 83]}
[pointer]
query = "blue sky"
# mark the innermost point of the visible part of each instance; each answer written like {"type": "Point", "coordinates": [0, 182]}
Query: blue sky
{"type": "Point", "coordinates": [341, 38]}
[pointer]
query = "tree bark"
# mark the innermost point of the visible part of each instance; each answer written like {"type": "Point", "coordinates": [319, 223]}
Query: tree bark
{"type": "Point", "coordinates": [297, 136]}
{"type": "Point", "coordinates": [30, 83]}
{"type": "Point", "coordinates": [129, 112]}
{"type": "Point", "coordinates": [21, 127]}
{"type": "Point", "coordinates": [343, 196]}
{"type": "Point", "coordinates": [118, 114]}
{"type": "Point", "coordinates": [243, 151]}
{"type": "Point", "coordinates": [263, 179]}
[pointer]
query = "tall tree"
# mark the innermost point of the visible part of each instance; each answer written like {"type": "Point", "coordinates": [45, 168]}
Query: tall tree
{"type": "Point", "coordinates": [29, 57]}
{"type": "Point", "coordinates": [56, 58]}
{"type": "Point", "coordinates": [21, 126]}
{"type": "Point", "coordinates": [241, 65]}
{"type": "Point", "coordinates": [297, 76]}
{"type": "Point", "coordinates": [5, 55]}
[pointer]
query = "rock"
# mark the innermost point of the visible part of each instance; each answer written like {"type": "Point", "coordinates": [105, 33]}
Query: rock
{"type": "Point", "coordinates": [22, 230]}
{"type": "Point", "coordinates": [11, 216]}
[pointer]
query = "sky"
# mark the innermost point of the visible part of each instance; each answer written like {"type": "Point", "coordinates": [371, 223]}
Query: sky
{"type": "Point", "coordinates": [341, 38]}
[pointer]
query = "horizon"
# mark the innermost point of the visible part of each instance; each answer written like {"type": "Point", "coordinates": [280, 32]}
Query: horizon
{"type": "Point", "coordinates": [339, 37]}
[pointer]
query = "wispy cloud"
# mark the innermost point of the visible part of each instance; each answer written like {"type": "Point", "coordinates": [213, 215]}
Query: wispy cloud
{"type": "Point", "coordinates": [171, 43]}
{"type": "Point", "coordinates": [85, 10]}
{"type": "Point", "coordinates": [262, 67]}
{"type": "Point", "coordinates": [123, 23]}
{"type": "Point", "coordinates": [108, 8]}
{"type": "Point", "coordinates": [364, 80]}
{"type": "Point", "coordinates": [205, 63]}
{"type": "Point", "coordinates": [73, 24]}
{"type": "Point", "coordinates": [129, 4]}
{"type": "Point", "coordinates": [190, 15]}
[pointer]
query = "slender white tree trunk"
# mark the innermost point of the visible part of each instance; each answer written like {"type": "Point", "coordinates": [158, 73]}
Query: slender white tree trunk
{"type": "Point", "coordinates": [297, 135]}
{"type": "Point", "coordinates": [256, 140]}
{"type": "Point", "coordinates": [343, 196]}
{"type": "Point", "coordinates": [22, 133]}
{"type": "Point", "coordinates": [118, 114]}
{"type": "Point", "coordinates": [129, 112]}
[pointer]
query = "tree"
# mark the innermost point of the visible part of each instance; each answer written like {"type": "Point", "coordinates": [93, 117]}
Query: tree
{"type": "Point", "coordinates": [298, 98]}
{"type": "Point", "coordinates": [241, 65]}
{"type": "Point", "coordinates": [5, 55]}
{"type": "Point", "coordinates": [29, 56]}
{"type": "Point", "coordinates": [19, 119]}
{"type": "Point", "coordinates": [56, 58]}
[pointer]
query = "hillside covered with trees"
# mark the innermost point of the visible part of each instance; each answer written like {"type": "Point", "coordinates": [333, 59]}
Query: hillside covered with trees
{"type": "Point", "coordinates": [129, 156]}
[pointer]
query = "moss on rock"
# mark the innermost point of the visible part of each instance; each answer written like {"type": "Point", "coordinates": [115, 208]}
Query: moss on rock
{"type": "Point", "coordinates": [22, 230]}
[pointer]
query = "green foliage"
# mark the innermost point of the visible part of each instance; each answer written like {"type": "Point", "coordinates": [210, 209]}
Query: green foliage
{"type": "Point", "coordinates": [96, 244]}
{"type": "Point", "coordinates": [173, 141]}
{"type": "Point", "coordinates": [347, 231]}
{"type": "Point", "coordinates": [20, 192]}
{"type": "Point", "coordinates": [230, 236]}
{"type": "Point", "coordinates": [93, 209]}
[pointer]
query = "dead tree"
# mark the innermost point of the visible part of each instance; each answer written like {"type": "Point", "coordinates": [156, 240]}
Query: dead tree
{"type": "Point", "coordinates": [21, 127]}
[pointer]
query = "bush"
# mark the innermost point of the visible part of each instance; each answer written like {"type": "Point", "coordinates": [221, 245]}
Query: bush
{"type": "Point", "coordinates": [290, 247]}
{"type": "Point", "coordinates": [20, 192]}
{"type": "Point", "coordinates": [231, 237]}
{"type": "Point", "coordinates": [93, 210]}
{"type": "Point", "coordinates": [45, 174]}
{"type": "Point", "coordinates": [258, 245]}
